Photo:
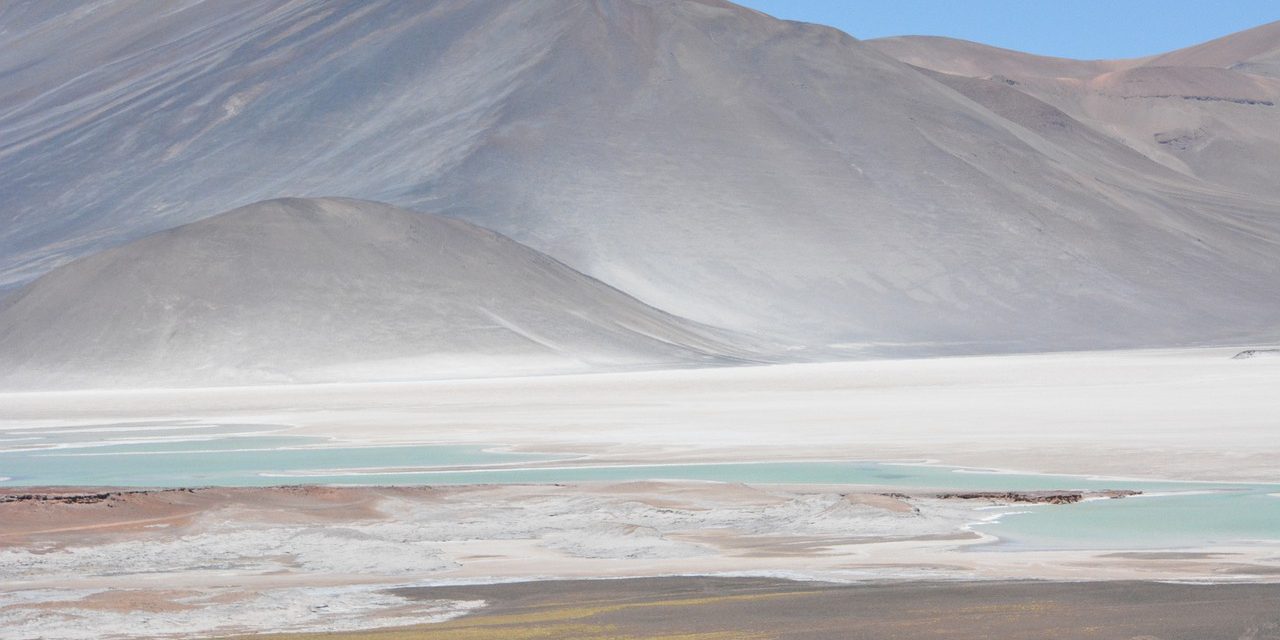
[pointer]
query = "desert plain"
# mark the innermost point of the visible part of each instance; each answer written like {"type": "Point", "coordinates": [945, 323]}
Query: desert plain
{"type": "Point", "coordinates": [215, 561]}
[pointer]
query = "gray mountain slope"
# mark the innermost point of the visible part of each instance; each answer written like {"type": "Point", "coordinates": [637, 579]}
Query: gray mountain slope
{"type": "Point", "coordinates": [762, 176]}
{"type": "Point", "coordinates": [327, 289]}
{"type": "Point", "coordinates": [820, 190]}
{"type": "Point", "coordinates": [1250, 50]}
{"type": "Point", "coordinates": [973, 59]}
{"type": "Point", "coordinates": [1211, 111]}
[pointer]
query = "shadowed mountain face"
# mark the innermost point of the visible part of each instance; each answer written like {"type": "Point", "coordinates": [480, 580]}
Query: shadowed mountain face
{"type": "Point", "coordinates": [327, 289]}
{"type": "Point", "coordinates": [761, 176]}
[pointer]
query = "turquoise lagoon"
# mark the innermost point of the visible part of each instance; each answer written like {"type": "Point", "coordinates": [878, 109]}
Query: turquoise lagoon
{"type": "Point", "coordinates": [1172, 515]}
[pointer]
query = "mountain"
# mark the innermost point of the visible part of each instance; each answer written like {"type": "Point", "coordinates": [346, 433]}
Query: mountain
{"type": "Point", "coordinates": [973, 59]}
{"type": "Point", "coordinates": [1210, 112]}
{"type": "Point", "coordinates": [308, 290]}
{"type": "Point", "coordinates": [1255, 50]}
{"type": "Point", "coordinates": [764, 177]}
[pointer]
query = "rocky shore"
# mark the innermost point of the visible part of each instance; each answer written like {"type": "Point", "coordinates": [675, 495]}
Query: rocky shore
{"type": "Point", "coordinates": [1036, 497]}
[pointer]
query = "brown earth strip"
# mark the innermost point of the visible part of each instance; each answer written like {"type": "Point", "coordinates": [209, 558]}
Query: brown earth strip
{"type": "Point", "coordinates": [704, 608]}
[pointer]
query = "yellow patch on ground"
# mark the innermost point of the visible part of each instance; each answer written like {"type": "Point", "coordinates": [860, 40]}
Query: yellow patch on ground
{"type": "Point", "coordinates": [554, 621]}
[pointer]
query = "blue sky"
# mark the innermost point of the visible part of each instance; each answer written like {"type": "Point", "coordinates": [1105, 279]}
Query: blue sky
{"type": "Point", "coordinates": [1068, 28]}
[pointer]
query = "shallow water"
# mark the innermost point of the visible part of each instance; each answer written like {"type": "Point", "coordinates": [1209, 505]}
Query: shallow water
{"type": "Point", "coordinates": [194, 454]}
{"type": "Point", "coordinates": [1189, 520]}
{"type": "Point", "coordinates": [203, 455]}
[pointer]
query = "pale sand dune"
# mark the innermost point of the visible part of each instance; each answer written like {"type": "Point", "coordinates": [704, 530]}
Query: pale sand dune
{"type": "Point", "coordinates": [1181, 414]}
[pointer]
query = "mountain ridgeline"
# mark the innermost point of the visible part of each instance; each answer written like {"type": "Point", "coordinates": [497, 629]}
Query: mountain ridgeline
{"type": "Point", "coordinates": [577, 185]}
